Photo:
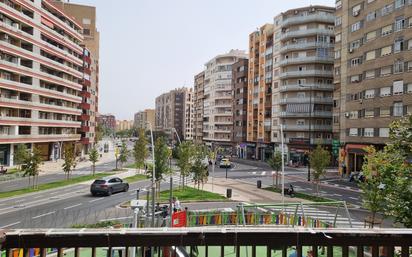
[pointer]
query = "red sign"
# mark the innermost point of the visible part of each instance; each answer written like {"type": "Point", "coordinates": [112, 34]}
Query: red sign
{"type": "Point", "coordinates": [179, 219]}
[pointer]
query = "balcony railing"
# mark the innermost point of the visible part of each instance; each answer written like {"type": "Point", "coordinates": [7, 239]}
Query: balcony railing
{"type": "Point", "coordinates": [295, 87]}
{"type": "Point", "coordinates": [305, 73]}
{"type": "Point", "coordinates": [307, 59]}
{"type": "Point", "coordinates": [306, 32]}
{"type": "Point", "coordinates": [59, 109]}
{"type": "Point", "coordinates": [317, 17]}
{"type": "Point", "coordinates": [306, 127]}
{"type": "Point", "coordinates": [241, 241]}
{"type": "Point", "coordinates": [41, 121]}
{"type": "Point", "coordinates": [306, 45]}
{"type": "Point", "coordinates": [320, 100]}
{"type": "Point", "coordinates": [41, 138]}
{"type": "Point", "coordinates": [306, 114]}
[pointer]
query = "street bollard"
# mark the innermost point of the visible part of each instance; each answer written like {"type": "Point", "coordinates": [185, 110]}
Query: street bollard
{"type": "Point", "coordinates": [259, 184]}
{"type": "Point", "coordinates": [137, 193]}
{"type": "Point", "coordinates": [229, 193]}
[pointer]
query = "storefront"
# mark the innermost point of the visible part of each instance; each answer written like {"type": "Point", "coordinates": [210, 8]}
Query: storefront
{"type": "Point", "coordinates": [241, 150]}
{"type": "Point", "coordinates": [299, 149]}
{"type": "Point", "coordinates": [5, 155]}
{"type": "Point", "coordinates": [264, 151]}
{"type": "Point", "coordinates": [251, 151]}
{"type": "Point", "coordinates": [354, 157]}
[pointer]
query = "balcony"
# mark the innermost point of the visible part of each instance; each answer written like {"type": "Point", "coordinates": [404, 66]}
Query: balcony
{"type": "Point", "coordinates": [314, 127]}
{"type": "Point", "coordinates": [306, 73]}
{"type": "Point", "coordinates": [319, 100]}
{"type": "Point", "coordinates": [38, 138]}
{"type": "Point", "coordinates": [317, 17]}
{"type": "Point", "coordinates": [316, 114]}
{"type": "Point", "coordinates": [306, 32]}
{"type": "Point", "coordinates": [305, 141]}
{"type": "Point", "coordinates": [33, 122]}
{"type": "Point", "coordinates": [303, 46]}
{"type": "Point", "coordinates": [304, 87]}
{"type": "Point", "coordinates": [213, 241]}
{"type": "Point", "coordinates": [307, 59]}
{"type": "Point", "coordinates": [15, 103]}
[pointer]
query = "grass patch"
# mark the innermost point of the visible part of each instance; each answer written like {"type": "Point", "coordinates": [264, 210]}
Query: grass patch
{"type": "Point", "coordinates": [308, 197]}
{"type": "Point", "coordinates": [52, 185]}
{"type": "Point", "coordinates": [135, 178]}
{"type": "Point", "coordinates": [13, 170]}
{"type": "Point", "coordinates": [123, 169]}
{"type": "Point", "coordinates": [102, 224]}
{"type": "Point", "coordinates": [191, 194]}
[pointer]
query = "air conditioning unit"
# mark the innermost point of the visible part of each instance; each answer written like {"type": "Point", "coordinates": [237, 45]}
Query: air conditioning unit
{"type": "Point", "coordinates": [355, 13]}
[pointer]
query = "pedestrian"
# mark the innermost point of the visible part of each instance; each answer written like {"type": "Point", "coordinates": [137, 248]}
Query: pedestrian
{"type": "Point", "coordinates": [176, 204]}
{"type": "Point", "coordinates": [343, 169]}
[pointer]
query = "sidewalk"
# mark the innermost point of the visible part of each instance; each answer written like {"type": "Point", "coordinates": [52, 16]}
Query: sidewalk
{"type": "Point", "coordinates": [246, 192]}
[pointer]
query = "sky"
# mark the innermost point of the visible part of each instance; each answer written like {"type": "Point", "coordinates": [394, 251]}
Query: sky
{"type": "Point", "coordinates": [148, 47]}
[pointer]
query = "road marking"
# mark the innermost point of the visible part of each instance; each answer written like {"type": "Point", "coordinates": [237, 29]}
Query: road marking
{"type": "Point", "coordinates": [254, 173]}
{"type": "Point", "coordinates": [12, 224]}
{"type": "Point", "coordinates": [69, 207]}
{"type": "Point", "coordinates": [337, 195]}
{"type": "Point", "coordinates": [263, 173]}
{"type": "Point", "coordinates": [95, 200]}
{"type": "Point", "coordinates": [119, 218]}
{"type": "Point", "coordinates": [354, 198]}
{"type": "Point", "coordinates": [42, 215]}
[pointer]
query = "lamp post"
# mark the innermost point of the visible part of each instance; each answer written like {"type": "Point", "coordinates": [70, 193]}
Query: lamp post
{"type": "Point", "coordinates": [153, 175]}
{"type": "Point", "coordinates": [310, 122]}
{"type": "Point", "coordinates": [283, 165]}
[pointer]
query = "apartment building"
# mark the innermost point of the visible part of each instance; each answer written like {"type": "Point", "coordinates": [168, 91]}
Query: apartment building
{"type": "Point", "coordinates": [259, 106]}
{"type": "Point", "coordinates": [198, 96]}
{"type": "Point", "coordinates": [86, 16]}
{"type": "Point", "coordinates": [240, 84]}
{"type": "Point", "coordinates": [41, 74]}
{"type": "Point", "coordinates": [189, 115]}
{"type": "Point", "coordinates": [170, 112]}
{"type": "Point", "coordinates": [142, 119]}
{"type": "Point", "coordinates": [303, 79]}
{"type": "Point", "coordinates": [218, 97]}
{"type": "Point", "coordinates": [124, 125]}
{"type": "Point", "coordinates": [107, 122]}
{"type": "Point", "coordinates": [373, 83]}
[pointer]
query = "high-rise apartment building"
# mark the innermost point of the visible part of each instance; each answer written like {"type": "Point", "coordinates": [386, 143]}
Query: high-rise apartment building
{"type": "Point", "coordinates": [239, 84]}
{"type": "Point", "coordinates": [41, 74]}
{"type": "Point", "coordinates": [303, 79]}
{"type": "Point", "coordinates": [198, 107]}
{"type": "Point", "coordinates": [86, 17]}
{"type": "Point", "coordinates": [217, 105]}
{"type": "Point", "coordinates": [189, 115]}
{"type": "Point", "coordinates": [142, 118]}
{"type": "Point", "coordinates": [170, 111]}
{"type": "Point", "coordinates": [259, 106]}
{"type": "Point", "coordinates": [373, 83]}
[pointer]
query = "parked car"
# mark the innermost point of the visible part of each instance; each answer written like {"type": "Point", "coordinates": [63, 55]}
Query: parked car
{"type": "Point", "coordinates": [225, 163]}
{"type": "Point", "coordinates": [108, 186]}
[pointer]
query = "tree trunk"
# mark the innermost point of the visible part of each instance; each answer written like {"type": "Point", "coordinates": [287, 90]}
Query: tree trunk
{"type": "Point", "coordinates": [373, 219]}
{"type": "Point", "coordinates": [277, 179]}
{"type": "Point", "coordinates": [29, 182]}
{"type": "Point", "coordinates": [94, 168]}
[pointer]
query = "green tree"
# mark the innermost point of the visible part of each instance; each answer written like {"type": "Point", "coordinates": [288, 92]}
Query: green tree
{"type": "Point", "coordinates": [99, 133]}
{"type": "Point", "coordinates": [275, 162]}
{"type": "Point", "coordinates": [184, 160]}
{"type": "Point", "coordinates": [93, 158]}
{"type": "Point", "coordinates": [31, 166]}
{"type": "Point", "coordinates": [140, 150]}
{"type": "Point", "coordinates": [69, 160]}
{"type": "Point", "coordinates": [162, 153]}
{"type": "Point", "coordinates": [20, 155]}
{"type": "Point", "coordinates": [200, 168]}
{"type": "Point", "coordinates": [123, 154]}
{"type": "Point", "coordinates": [319, 160]}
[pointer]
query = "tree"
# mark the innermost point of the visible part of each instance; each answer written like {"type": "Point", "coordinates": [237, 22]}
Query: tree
{"type": "Point", "coordinates": [140, 151]}
{"type": "Point", "coordinates": [200, 168]}
{"type": "Point", "coordinates": [161, 153]}
{"type": "Point", "coordinates": [31, 166]}
{"type": "Point", "coordinates": [276, 164]}
{"type": "Point", "coordinates": [123, 154]}
{"type": "Point", "coordinates": [184, 160]}
{"type": "Point", "coordinates": [99, 133]}
{"type": "Point", "coordinates": [69, 160]}
{"type": "Point", "coordinates": [21, 154]}
{"type": "Point", "coordinates": [319, 160]}
{"type": "Point", "coordinates": [94, 157]}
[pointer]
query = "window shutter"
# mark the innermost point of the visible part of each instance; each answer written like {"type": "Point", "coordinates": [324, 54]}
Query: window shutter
{"type": "Point", "coordinates": [360, 131]}
{"type": "Point", "coordinates": [405, 109]}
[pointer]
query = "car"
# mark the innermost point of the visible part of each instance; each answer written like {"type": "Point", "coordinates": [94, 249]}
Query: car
{"type": "Point", "coordinates": [108, 186]}
{"type": "Point", "coordinates": [225, 163]}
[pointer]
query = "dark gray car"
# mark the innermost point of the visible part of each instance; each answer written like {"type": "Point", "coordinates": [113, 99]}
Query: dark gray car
{"type": "Point", "coordinates": [108, 186]}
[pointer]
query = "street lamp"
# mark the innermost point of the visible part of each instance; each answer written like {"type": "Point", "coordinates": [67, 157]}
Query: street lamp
{"type": "Point", "coordinates": [153, 174]}
{"type": "Point", "coordinates": [283, 165]}
{"type": "Point", "coordinates": [310, 122]}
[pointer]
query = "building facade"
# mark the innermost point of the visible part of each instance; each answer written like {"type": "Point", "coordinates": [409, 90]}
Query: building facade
{"type": "Point", "coordinates": [142, 118]}
{"type": "Point", "coordinates": [259, 106]}
{"type": "Point", "coordinates": [198, 98]}
{"type": "Point", "coordinates": [107, 122]}
{"type": "Point", "coordinates": [124, 125]}
{"type": "Point", "coordinates": [218, 97]}
{"type": "Point", "coordinates": [41, 74]}
{"type": "Point", "coordinates": [240, 89]}
{"type": "Point", "coordinates": [86, 16]}
{"type": "Point", "coordinates": [304, 79]}
{"type": "Point", "coordinates": [373, 83]}
{"type": "Point", "coordinates": [170, 113]}
{"type": "Point", "coordinates": [189, 115]}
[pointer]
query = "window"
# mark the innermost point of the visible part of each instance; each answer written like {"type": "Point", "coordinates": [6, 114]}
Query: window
{"type": "Point", "coordinates": [370, 35]}
{"type": "Point", "coordinates": [385, 71]}
{"type": "Point", "coordinates": [337, 71]}
{"type": "Point", "coordinates": [86, 21]}
{"type": "Point", "coordinates": [398, 109]}
{"type": "Point", "coordinates": [386, 30]}
{"type": "Point", "coordinates": [353, 115]}
{"type": "Point", "coordinates": [355, 79]}
{"type": "Point", "coordinates": [399, 23]}
{"type": "Point", "coordinates": [353, 132]}
{"type": "Point", "coordinates": [370, 93]}
{"type": "Point", "coordinates": [385, 91]}
{"type": "Point", "coordinates": [409, 44]}
{"type": "Point", "coordinates": [398, 67]}
{"type": "Point", "coordinates": [86, 32]}
{"type": "Point", "coordinates": [370, 55]}
{"type": "Point", "coordinates": [338, 4]}
{"type": "Point", "coordinates": [399, 3]}
{"type": "Point", "coordinates": [338, 21]}
{"type": "Point", "coordinates": [354, 45]}
{"type": "Point", "coordinates": [371, 16]}
{"type": "Point", "coordinates": [356, 26]}
{"type": "Point", "coordinates": [355, 61]}
{"type": "Point", "coordinates": [338, 37]}
{"type": "Point", "coordinates": [409, 89]}
{"type": "Point", "coordinates": [398, 87]}
{"type": "Point", "coordinates": [369, 113]}
{"type": "Point", "coordinates": [409, 66]}
{"type": "Point", "coordinates": [370, 74]}
{"type": "Point", "coordinates": [387, 9]}
{"type": "Point", "coordinates": [387, 50]}
{"type": "Point", "coordinates": [300, 122]}
{"type": "Point", "coordinates": [398, 45]}
{"type": "Point", "coordinates": [368, 132]}
{"type": "Point", "coordinates": [383, 132]}
{"type": "Point", "coordinates": [384, 112]}
{"type": "Point", "coordinates": [337, 54]}
{"type": "Point", "coordinates": [356, 9]}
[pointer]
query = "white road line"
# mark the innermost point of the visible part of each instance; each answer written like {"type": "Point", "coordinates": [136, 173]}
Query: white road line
{"type": "Point", "coordinates": [263, 173]}
{"type": "Point", "coordinates": [42, 215]}
{"type": "Point", "coordinates": [69, 207]}
{"type": "Point", "coordinates": [12, 224]}
{"type": "Point", "coordinates": [354, 198]}
{"type": "Point", "coordinates": [95, 200]}
{"type": "Point", "coordinates": [119, 218]}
